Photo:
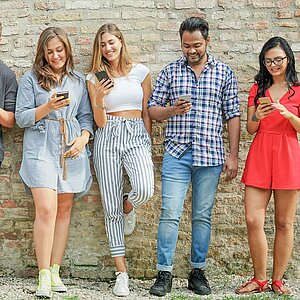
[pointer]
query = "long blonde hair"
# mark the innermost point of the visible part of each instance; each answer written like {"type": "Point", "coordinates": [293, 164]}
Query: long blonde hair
{"type": "Point", "coordinates": [99, 62]}
{"type": "Point", "coordinates": [44, 73]}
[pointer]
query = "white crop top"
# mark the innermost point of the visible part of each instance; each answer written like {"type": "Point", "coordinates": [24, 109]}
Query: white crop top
{"type": "Point", "coordinates": [127, 93]}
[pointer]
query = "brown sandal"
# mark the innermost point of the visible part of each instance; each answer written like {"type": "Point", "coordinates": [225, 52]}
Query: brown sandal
{"type": "Point", "coordinates": [263, 286]}
{"type": "Point", "coordinates": [279, 284]}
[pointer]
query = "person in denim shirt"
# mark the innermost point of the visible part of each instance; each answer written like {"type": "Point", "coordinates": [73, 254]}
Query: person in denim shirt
{"type": "Point", "coordinates": [194, 93]}
{"type": "Point", "coordinates": [55, 165]}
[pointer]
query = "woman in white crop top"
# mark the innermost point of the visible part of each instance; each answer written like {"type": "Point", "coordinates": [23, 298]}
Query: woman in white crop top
{"type": "Point", "coordinates": [122, 140]}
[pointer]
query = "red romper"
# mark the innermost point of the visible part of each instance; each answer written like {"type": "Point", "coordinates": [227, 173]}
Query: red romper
{"type": "Point", "coordinates": [273, 160]}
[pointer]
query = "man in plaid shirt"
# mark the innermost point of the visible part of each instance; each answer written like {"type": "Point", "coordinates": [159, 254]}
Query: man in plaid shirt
{"type": "Point", "coordinates": [195, 94]}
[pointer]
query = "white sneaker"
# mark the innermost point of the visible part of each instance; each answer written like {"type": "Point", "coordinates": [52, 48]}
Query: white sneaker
{"type": "Point", "coordinates": [129, 222]}
{"type": "Point", "coordinates": [44, 286]}
{"type": "Point", "coordinates": [121, 286]}
{"type": "Point", "coordinates": [56, 283]}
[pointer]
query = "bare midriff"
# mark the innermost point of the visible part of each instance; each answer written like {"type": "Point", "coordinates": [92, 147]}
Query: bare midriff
{"type": "Point", "coordinates": [127, 114]}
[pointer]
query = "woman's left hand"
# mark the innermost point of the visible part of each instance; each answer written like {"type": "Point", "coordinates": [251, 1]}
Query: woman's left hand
{"type": "Point", "coordinates": [282, 110]}
{"type": "Point", "coordinates": [77, 145]}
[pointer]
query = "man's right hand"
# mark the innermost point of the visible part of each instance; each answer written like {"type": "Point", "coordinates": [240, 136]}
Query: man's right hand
{"type": "Point", "coordinates": [181, 107]}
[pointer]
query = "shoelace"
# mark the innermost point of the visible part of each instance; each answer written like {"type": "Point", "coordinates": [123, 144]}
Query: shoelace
{"type": "Point", "coordinates": [164, 276]}
{"type": "Point", "coordinates": [200, 275]}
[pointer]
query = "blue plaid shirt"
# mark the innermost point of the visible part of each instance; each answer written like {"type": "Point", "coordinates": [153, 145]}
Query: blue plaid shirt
{"type": "Point", "coordinates": [214, 97]}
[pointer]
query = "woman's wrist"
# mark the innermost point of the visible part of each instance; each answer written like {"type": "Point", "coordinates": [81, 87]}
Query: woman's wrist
{"type": "Point", "coordinates": [100, 106]}
{"type": "Point", "coordinates": [254, 118]}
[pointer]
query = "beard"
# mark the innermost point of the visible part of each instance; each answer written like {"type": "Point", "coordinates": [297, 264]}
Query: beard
{"type": "Point", "coordinates": [196, 59]}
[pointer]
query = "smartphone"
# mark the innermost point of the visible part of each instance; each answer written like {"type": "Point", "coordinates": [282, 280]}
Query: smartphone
{"type": "Point", "coordinates": [186, 98]}
{"type": "Point", "coordinates": [65, 95]}
{"type": "Point", "coordinates": [102, 75]}
{"type": "Point", "coordinates": [264, 100]}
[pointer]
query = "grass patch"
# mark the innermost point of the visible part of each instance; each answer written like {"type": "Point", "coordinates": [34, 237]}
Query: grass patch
{"type": "Point", "coordinates": [70, 298]}
{"type": "Point", "coordinates": [264, 296]}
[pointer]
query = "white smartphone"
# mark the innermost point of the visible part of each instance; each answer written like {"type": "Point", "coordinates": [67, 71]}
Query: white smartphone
{"type": "Point", "coordinates": [186, 98]}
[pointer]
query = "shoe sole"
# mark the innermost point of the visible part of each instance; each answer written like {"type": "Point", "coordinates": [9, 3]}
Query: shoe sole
{"type": "Point", "coordinates": [59, 289]}
{"type": "Point", "coordinates": [190, 287]}
{"type": "Point", "coordinates": [43, 294]}
{"type": "Point", "coordinates": [121, 294]}
{"type": "Point", "coordinates": [158, 293]}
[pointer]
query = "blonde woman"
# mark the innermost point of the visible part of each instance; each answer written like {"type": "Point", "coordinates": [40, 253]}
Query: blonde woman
{"type": "Point", "coordinates": [56, 133]}
{"type": "Point", "coordinates": [122, 139]}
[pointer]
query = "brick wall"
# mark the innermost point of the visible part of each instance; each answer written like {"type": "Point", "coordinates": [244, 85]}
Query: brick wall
{"type": "Point", "coordinates": [238, 30]}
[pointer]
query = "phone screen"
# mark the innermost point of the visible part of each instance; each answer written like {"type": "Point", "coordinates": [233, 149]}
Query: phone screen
{"type": "Point", "coordinates": [102, 75]}
{"type": "Point", "coordinates": [264, 100]}
{"type": "Point", "coordinates": [186, 98]}
{"type": "Point", "coordinates": [65, 95]}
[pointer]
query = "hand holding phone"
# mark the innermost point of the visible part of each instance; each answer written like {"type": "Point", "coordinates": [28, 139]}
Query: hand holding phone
{"type": "Point", "coordinates": [64, 94]}
{"type": "Point", "coordinates": [264, 100]}
{"type": "Point", "coordinates": [102, 75]}
{"type": "Point", "coordinates": [186, 98]}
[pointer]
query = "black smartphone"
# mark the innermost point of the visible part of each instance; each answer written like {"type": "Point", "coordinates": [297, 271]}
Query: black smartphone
{"type": "Point", "coordinates": [102, 75]}
{"type": "Point", "coordinates": [65, 95]}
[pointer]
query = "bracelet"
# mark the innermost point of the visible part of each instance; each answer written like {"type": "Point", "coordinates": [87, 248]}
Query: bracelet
{"type": "Point", "coordinates": [100, 106]}
{"type": "Point", "coordinates": [254, 118]}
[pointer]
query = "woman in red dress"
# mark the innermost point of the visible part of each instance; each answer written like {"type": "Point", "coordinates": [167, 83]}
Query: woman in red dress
{"type": "Point", "coordinates": [273, 161]}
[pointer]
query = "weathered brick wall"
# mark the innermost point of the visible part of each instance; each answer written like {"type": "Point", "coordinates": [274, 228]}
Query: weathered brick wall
{"type": "Point", "coordinates": [238, 30]}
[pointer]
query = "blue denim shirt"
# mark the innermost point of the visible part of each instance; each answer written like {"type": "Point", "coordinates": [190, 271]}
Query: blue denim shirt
{"type": "Point", "coordinates": [42, 145]}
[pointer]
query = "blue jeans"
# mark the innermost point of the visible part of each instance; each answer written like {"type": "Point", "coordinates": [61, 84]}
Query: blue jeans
{"type": "Point", "coordinates": [176, 177]}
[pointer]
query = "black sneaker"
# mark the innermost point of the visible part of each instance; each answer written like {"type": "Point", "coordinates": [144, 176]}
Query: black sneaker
{"type": "Point", "coordinates": [162, 285]}
{"type": "Point", "coordinates": [198, 282]}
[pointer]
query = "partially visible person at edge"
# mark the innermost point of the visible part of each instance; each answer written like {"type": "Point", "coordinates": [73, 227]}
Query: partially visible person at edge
{"type": "Point", "coordinates": [122, 140]}
{"type": "Point", "coordinates": [8, 93]}
{"type": "Point", "coordinates": [55, 164]}
{"type": "Point", "coordinates": [272, 165]}
{"type": "Point", "coordinates": [194, 151]}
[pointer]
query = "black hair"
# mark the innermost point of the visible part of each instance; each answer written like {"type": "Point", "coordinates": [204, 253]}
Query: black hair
{"type": "Point", "coordinates": [193, 24]}
{"type": "Point", "coordinates": [264, 79]}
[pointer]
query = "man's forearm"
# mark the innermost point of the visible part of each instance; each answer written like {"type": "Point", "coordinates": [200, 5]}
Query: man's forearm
{"type": "Point", "coordinates": [234, 135]}
{"type": "Point", "coordinates": [160, 113]}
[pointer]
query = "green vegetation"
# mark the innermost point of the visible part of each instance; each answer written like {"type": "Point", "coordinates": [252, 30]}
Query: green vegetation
{"type": "Point", "coordinates": [263, 296]}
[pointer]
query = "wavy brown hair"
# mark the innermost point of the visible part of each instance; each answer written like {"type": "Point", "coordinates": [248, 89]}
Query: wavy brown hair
{"type": "Point", "coordinates": [99, 62]}
{"type": "Point", "coordinates": [44, 73]}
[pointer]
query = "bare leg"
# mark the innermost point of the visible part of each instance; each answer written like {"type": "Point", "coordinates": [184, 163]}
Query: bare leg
{"type": "Point", "coordinates": [120, 263]}
{"type": "Point", "coordinates": [62, 223]}
{"type": "Point", "coordinates": [256, 202]}
{"type": "Point", "coordinates": [127, 206]}
{"type": "Point", "coordinates": [45, 201]}
{"type": "Point", "coordinates": [285, 210]}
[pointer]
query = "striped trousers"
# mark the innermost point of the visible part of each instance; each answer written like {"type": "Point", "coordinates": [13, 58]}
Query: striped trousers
{"type": "Point", "coordinates": [123, 144]}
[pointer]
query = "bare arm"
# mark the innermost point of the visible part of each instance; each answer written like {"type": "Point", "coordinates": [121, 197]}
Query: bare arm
{"type": "Point", "coordinates": [146, 85]}
{"type": "Point", "coordinates": [231, 163]}
{"type": "Point", "coordinates": [255, 114]}
{"type": "Point", "coordinates": [55, 103]}
{"type": "Point", "coordinates": [7, 118]}
{"type": "Point", "coordinates": [161, 113]}
{"type": "Point", "coordinates": [97, 93]}
{"type": "Point", "coordinates": [295, 121]}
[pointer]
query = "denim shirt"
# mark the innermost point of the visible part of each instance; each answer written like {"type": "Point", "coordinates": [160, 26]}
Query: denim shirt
{"type": "Point", "coordinates": [42, 145]}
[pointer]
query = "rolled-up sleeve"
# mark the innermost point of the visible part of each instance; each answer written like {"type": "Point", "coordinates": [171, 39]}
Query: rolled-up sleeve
{"type": "Point", "coordinates": [231, 102]}
{"type": "Point", "coordinates": [25, 104]}
{"type": "Point", "coordinates": [84, 114]}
